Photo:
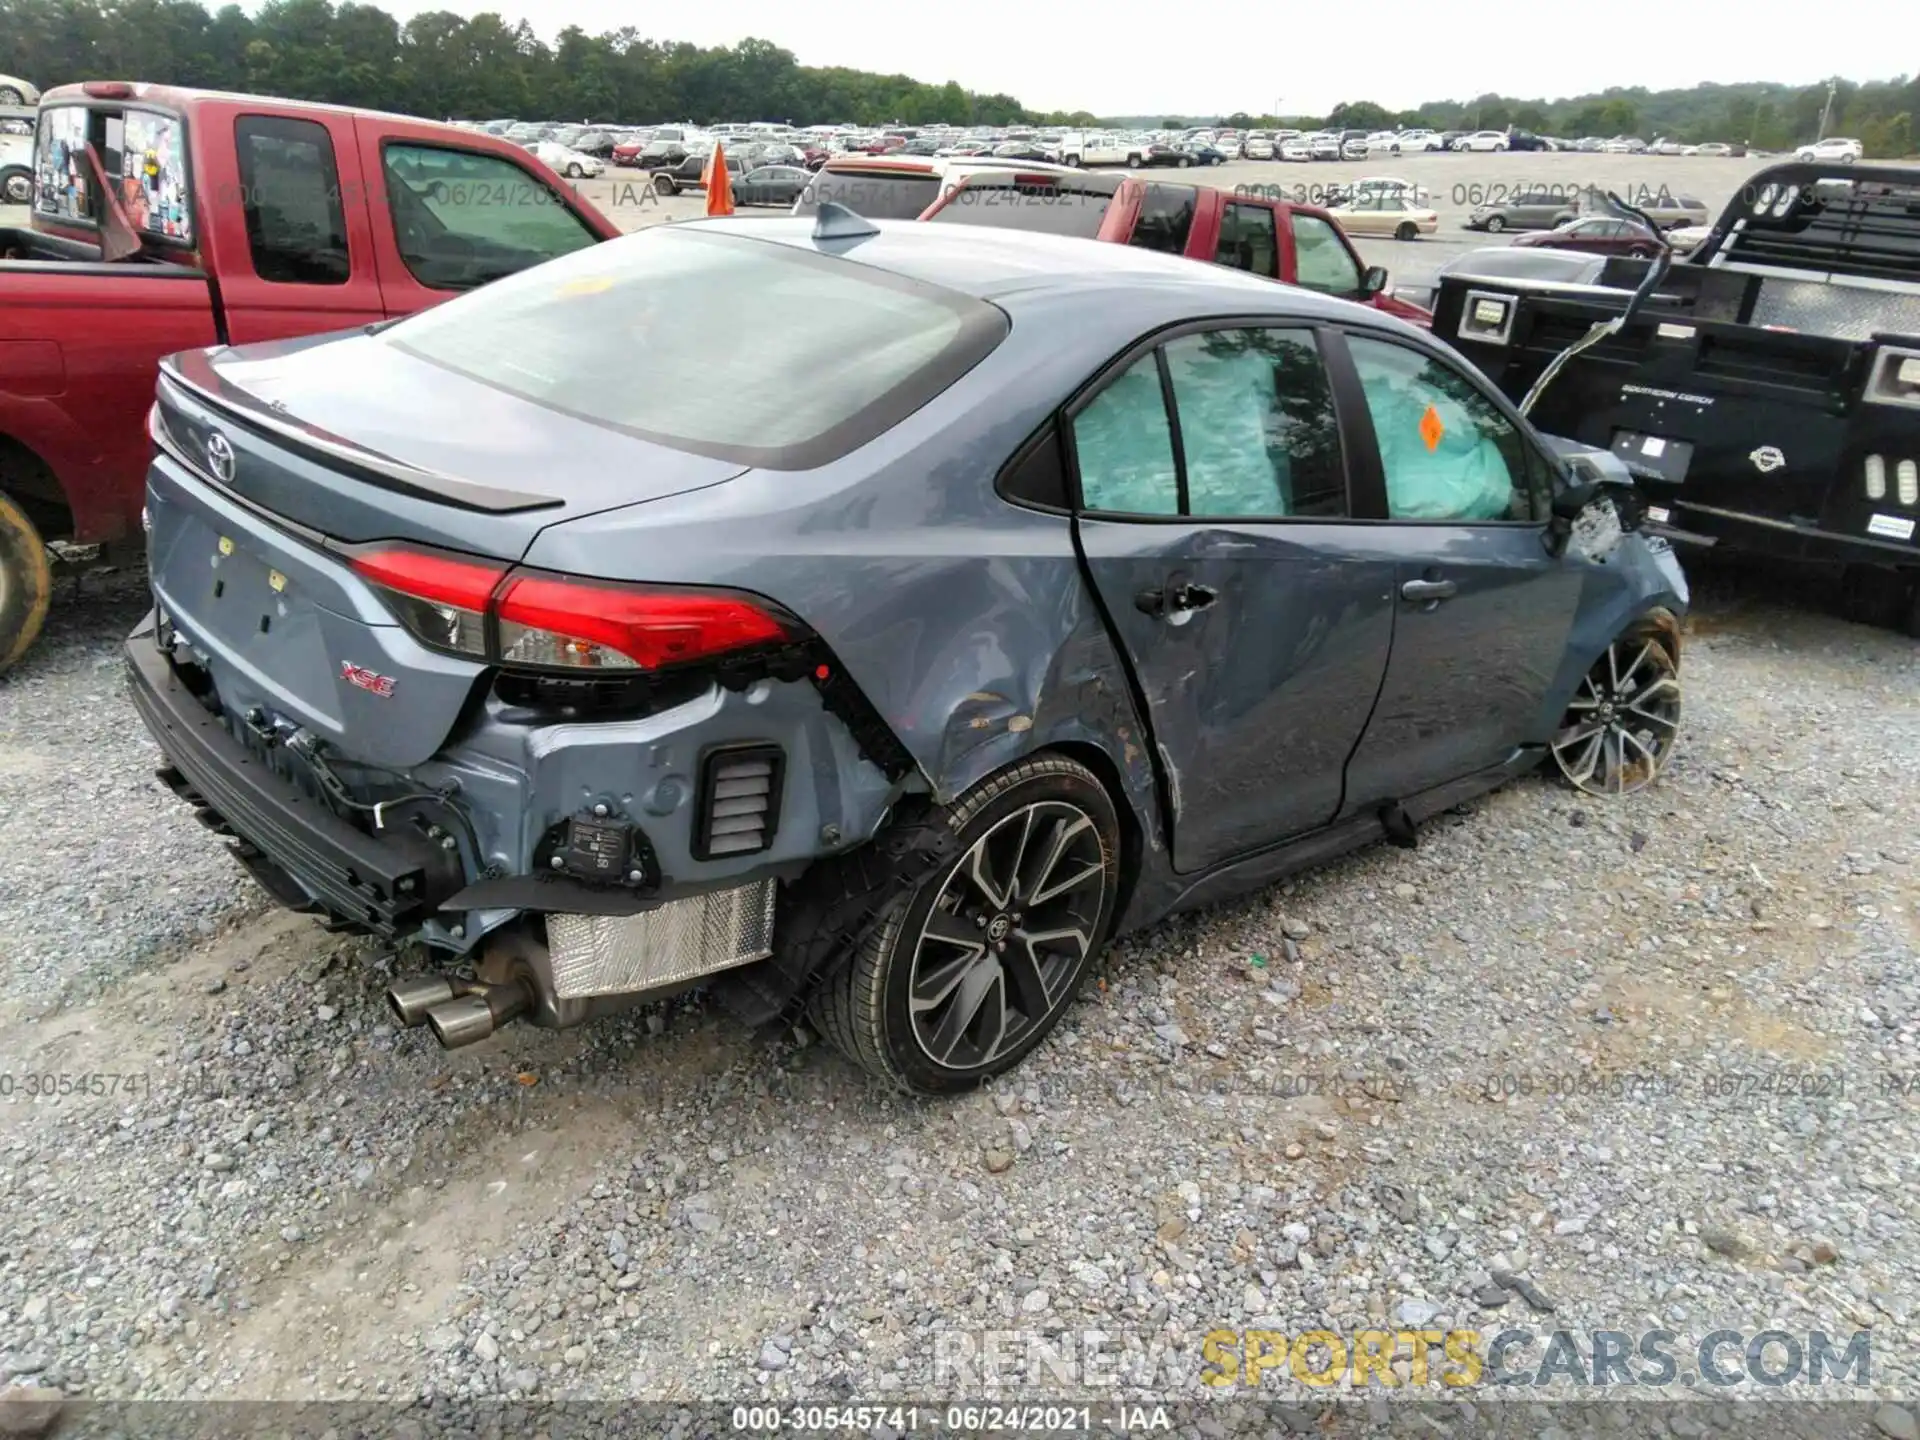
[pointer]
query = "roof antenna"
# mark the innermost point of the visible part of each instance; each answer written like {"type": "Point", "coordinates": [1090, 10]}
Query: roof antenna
{"type": "Point", "coordinates": [838, 222]}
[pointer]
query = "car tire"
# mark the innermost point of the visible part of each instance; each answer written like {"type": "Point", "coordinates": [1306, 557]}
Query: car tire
{"type": "Point", "coordinates": [1183, 162]}
{"type": "Point", "coordinates": [1496, 223]}
{"type": "Point", "coordinates": [26, 582]}
{"type": "Point", "coordinates": [574, 172]}
{"type": "Point", "coordinates": [1623, 722]}
{"type": "Point", "coordinates": [866, 1007]}
{"type": "Point", "coordinates": [1073, 162]}
{"type": "Point", "coordinates": [11, 96]}
{"type": "Point", "coordinates": [16, 186]}
{"type": "Point", "coordinates": [1133, 162]}
{"type": "Point", "coordinates": [663, 185]}
{"type": "Point", "coordinates": [1406, 230]}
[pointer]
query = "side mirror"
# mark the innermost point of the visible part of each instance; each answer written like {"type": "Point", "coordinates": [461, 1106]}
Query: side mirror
{"type": "Point", "coordinates": [1374, 281]}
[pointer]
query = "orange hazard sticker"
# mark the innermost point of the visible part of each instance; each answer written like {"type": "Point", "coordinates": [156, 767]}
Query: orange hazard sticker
{"type": "Point", "coordinates": [1431, 430]}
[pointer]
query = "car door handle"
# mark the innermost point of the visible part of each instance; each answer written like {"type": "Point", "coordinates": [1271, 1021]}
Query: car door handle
{"type": "Point", "coordinates": [1427, 590]}
{"type": "Point", "coordinates": [1175, 600]}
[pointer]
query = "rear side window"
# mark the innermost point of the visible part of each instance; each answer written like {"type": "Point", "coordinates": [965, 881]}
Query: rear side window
{"type": "Point", "coordinates": [1123, 445]}
{"type": "Point", "coordinates": [1017, 203]}
{"type": "Point", "coordinates": [1249, 241]}
{"type": "Point", "coordinates": [290, 195]}
{"type": "Point", "coordinates": [465, 219]}
{"type": "Point", "coordinates": [876, 195]}
{"type": "Point", "coordinates": [1321, 261]}
{"type": "Point", "coordinates": [741, 349]}
{"type": "Point", "coordinates": [1166, 218]}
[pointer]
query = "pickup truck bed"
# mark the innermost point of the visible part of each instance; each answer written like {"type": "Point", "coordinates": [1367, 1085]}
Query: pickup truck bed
{"type": "Point", "coordinates": [1768, 397]}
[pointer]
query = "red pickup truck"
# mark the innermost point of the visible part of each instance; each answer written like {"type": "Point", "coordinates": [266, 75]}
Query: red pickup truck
{"type": "Point", "coordinates": [1298, 244]}
{"type": "Point", "coordinates": [166, 219]}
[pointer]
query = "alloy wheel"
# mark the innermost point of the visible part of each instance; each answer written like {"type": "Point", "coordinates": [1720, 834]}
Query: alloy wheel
{"type": "Point", "coordinates": [1010, 927]}
{"type": "Point", "coordinates": [1622, 723]}
{"type": "Point", "coordinates": [19, 189]}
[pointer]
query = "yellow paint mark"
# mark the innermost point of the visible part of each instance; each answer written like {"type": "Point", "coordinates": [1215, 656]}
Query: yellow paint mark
{"type": "Point", "coordinates": [226, 546]}
{"type": "Point", "coordinates": [1431, 428]}
{"type": "Point", "coordinates": [587, 285]}
{"type": "Point", "coordinates": [276, 580]}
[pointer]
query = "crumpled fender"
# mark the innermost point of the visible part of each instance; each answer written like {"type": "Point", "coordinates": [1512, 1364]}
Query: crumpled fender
{"type": "Point", "coordinates": [1641, 579]}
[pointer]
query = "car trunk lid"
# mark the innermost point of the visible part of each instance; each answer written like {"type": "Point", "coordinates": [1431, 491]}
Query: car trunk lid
{"type": "Point", "coordinates": [256, 504]}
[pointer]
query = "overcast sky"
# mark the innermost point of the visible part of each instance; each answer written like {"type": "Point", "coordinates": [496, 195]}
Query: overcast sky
{"type": "Point", "coordinates": [1126, 57]}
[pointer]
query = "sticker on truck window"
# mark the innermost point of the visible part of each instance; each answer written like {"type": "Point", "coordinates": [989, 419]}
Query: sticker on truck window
{"type": "Point", "coordinates": [62, 185]}
{"type": "Point", "coordinates": [1890, 527]}
{"type": "Point", "coordinates": [153, 174]}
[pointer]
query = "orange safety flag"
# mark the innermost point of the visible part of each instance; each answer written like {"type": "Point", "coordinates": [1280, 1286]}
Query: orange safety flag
{"type": "Point", "coordinates": [718, 182]}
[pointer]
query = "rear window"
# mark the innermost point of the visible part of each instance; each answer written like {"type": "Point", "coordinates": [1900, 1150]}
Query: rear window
{"type": "Point", "coordinates": [742, 349]}
{"type": "Point", "coordinates": [1035, 203]}
{"type": "Point", "coordinates": [877, 195]}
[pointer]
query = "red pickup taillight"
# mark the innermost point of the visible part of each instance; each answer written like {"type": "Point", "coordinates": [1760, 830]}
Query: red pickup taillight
{"type": "Point", "coordinates": [542, 621]}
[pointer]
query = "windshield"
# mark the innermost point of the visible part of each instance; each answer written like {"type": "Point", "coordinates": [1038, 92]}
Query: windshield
{"type": "Point", "coordinates": [878, 195]}
{"type": "Point", "coordinates": [644, 335]}
{"type": "Point", "coordinates": [1006, 202]}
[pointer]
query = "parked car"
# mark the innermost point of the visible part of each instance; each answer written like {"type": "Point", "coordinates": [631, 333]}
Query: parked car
{"type": "Point", "coordinates": [1296, 148]}
{"type": "Point", "coordinates": [1685, 239]}
{"type": "Point", "coordinates": [1484, 140]}
{"type": "Point", "coordinates": [598, 142]}
{"type": "Point", "coordinates": [1417, 140]}
{"type": "Point", "coordinates": [564, 160]}
{"type": "Point", "coordinates": [244, 229]}
{"type": "Point", "coordinates": [1324, 147]}
{"type": "Point", "coordinates": [1526, 140]}
{"type": "Point", "coordinates": [1263, 235]}
{"type": "Point", "coordinates": [1204, 154]}
{"type": "Point", "coordinates": [1845, 151]}
{"type": "Point", "coordinates": [714, 668]}
{"type": "Point", "coordinates": [1385, 212]}
{"type": "Point", "coordinates": [1160, 154]}
{"type": "Point", "coordinates": [16, 154]}
{"type": "Point", "coordinates": [1260, 148]}
{"type": "Point", "coordinates": [1716, 148]}
{"type": "Point", "coordinates": [771, 185]}
{"type": "Point", "coordinates": [658, 154]}
{"type": "Point", "coordinates": [1096, 147]}
{"type": "Point", "coordinates": [1538, 207]}
{"type": "Point", "coordinates": [1389, 184]}
{"type": "Point", "coordinates": [691, 174]}
{"type": "Point", "coordinates": [1596, 235]}
{"type": "Point", "coordinates": [1668, 210]}
{"type": "Point", "coordinates": [15, 91]}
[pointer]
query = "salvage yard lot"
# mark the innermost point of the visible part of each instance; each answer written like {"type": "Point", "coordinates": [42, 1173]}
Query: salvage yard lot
{"type": "Point", "coordinates": [1656, 1056]}
{"type": "Point", "coordinates": [1660, 1057]}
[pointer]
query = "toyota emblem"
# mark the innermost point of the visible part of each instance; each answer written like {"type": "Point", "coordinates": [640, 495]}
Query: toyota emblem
{"type": "Point", "coordinates": [220, 457]}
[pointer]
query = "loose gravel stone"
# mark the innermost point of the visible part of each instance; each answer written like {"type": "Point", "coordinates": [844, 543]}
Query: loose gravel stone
{"type": "Point", "coordinates": [1385, 1123]}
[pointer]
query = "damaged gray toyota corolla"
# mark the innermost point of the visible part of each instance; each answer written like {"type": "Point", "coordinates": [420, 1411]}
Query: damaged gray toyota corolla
{"type": "Point", "coordinates": [866, 620]}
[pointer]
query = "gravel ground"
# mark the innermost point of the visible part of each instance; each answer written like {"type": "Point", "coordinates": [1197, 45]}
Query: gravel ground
{"type": "Point", "coordinates": [1640, 1062]}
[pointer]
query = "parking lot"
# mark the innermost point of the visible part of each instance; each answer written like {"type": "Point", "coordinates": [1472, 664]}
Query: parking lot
{"type": "Point", "coordinates": [1659, 1058]}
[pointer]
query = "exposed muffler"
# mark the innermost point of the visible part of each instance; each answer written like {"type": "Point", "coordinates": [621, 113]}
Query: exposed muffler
{"type": "Point", "coordinates": [459, 1012]}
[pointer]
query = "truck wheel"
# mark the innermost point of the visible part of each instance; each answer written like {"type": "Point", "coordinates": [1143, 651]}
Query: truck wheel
{"type": "Point", "coordinates": [663, 185]}
{"type": "Point", "coordinates": [1133, 162]}
{"type": "Point", "coordinates": [16, 186]}
{"type": "Point", "coordinates": [1622, 723]}
{"type": "Point", "coordinates": [1073, 162]}
{"type": "Point", "coordinates": [984, 952]}
{"type": "Point", "coordinates": [1406, 230]}
{"type": "Point", "coordinates": [26, 582]}
{"type": "Point", "coordinates": [1496, 223]}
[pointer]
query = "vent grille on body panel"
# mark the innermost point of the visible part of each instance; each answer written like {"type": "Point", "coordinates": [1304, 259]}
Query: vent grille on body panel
{"type": "Point", "coordinates": [739, 801]}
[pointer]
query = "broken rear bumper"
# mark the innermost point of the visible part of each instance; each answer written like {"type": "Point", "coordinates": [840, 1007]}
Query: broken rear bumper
{"type": "Point", "coordinates": [309, 858]}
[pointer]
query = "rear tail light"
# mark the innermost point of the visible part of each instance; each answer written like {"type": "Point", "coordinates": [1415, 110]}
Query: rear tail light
{"type": "Point", "coordinates": [532, 620]}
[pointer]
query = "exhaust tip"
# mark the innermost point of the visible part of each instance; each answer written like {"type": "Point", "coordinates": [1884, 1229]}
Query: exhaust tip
{"type": "Point", "coordinates": [411, 1000]}
{"type": "Point", "coordinates": [462, 1021]}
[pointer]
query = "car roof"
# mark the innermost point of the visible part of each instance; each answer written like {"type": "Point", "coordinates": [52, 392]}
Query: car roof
{"type": "Point", "coordinates": [994, 264]}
